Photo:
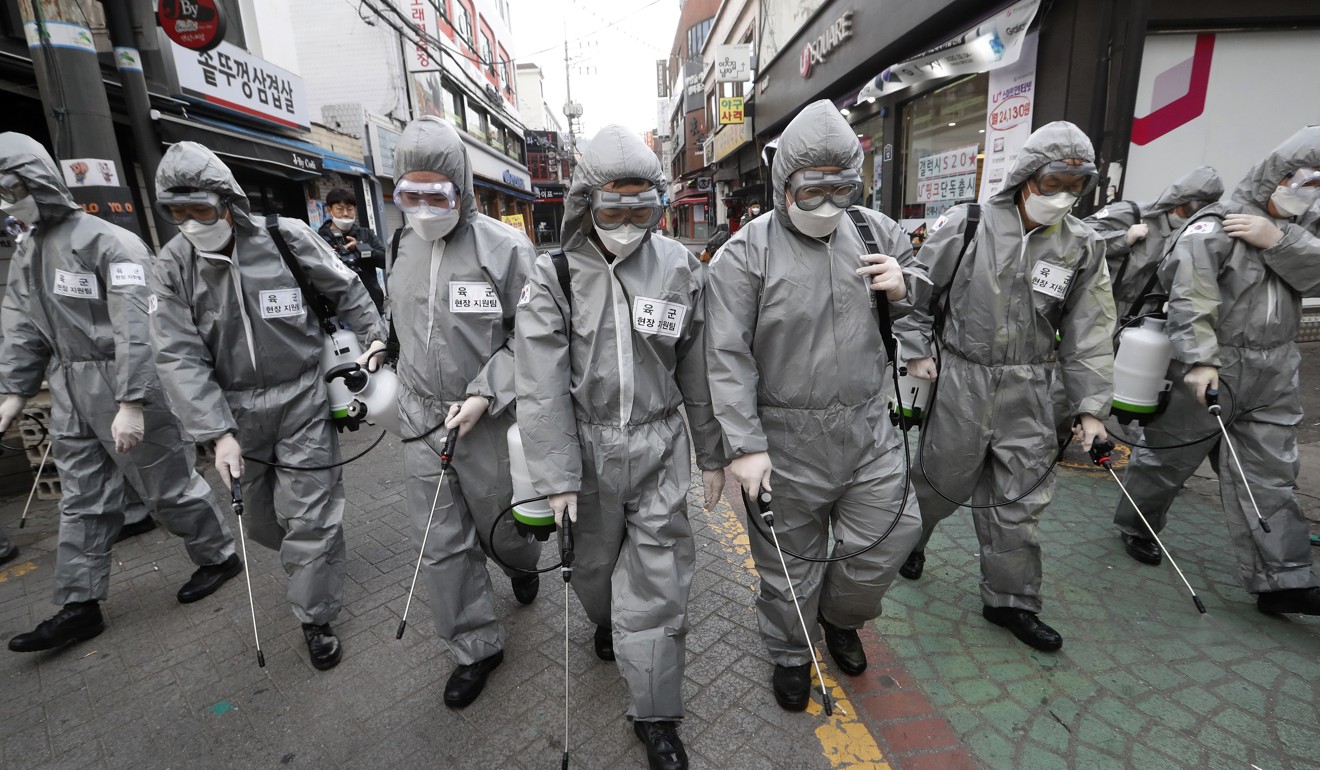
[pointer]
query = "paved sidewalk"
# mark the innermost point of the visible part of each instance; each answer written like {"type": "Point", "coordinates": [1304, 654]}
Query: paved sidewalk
{"type": "Point", "coordinates": [1143, 681]}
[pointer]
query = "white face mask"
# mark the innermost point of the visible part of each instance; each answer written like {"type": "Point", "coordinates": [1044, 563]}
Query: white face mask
{"type": "Point", "coordinates": [1049, 209]}
{"type": "Point", "coordinates": [212, 237]}
{"type": "Point", "coordinates": [24, 209]}
{"type": "Point", "coordinates": [817, 223]}
{"type": "Point", "coordinates": [622, 241]}
{"type": "Point", "coordinates": [431, 226]}
{"type": "Point", "coordinates": [1292, 203]}
{"type": "Point", "coordinates": [343, 224]}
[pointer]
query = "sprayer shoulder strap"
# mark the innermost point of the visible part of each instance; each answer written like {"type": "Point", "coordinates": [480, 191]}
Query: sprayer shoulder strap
{"type": "Point", "coordinates": [1117, 279]}
{"type": "Point", "coordinates": [392, 341]}
{"type": "Point", "coordinates": [970, 226]}
{"type": "Point", "coordinates": [560, 260]}
{"type": "Point", "coordinates": [319, 304]}
{"type": "Point", "coordinates": [880, 302]}
{"type": "Point", "coordinates": [1154, 278]}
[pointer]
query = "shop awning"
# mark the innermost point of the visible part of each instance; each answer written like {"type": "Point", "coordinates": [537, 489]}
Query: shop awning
{"type": "Point", "coordinates": [690, 199]}
{"type": "Point", "coordinates": [512, 192]}
{"type": "Point", "coordinates": [294, 158]}
{"type": "Point", "coordinates": [994, 43]}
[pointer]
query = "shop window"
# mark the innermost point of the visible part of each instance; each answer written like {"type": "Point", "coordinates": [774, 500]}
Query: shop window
{"type": "Point", "coordinates": [513, 147]}
{"type": "Point", "coordinates": [943, 138]}
{"type": "Point", "coordinates": [487, 55]}
{"type": "Point", "coordinates": [453, 103]}
{"type": "Point", "coordinates": [496, 136]}
{"type": "Point", "coordinates": [479, 124]}
{"type": "Point", "coordinates": [463, 23]}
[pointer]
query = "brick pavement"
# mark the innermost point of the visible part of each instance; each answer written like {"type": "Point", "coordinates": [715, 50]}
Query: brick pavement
{"type": "Point", "coordinates": [1142, 681]}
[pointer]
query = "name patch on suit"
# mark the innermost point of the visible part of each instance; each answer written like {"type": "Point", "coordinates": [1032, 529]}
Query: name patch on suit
{"type": "Point", "coordinates": [654, 316]}
{"type": "Point", "coordinates": [127, 274]}
{"type": "Point", "coordinates": [473, 297]}
{"type": "Point", "coordinates": [79, 285]}
{"type": "Point", "coordinates": [1051, 280]}
{"type": "Point", "coordinates": [281, 303]}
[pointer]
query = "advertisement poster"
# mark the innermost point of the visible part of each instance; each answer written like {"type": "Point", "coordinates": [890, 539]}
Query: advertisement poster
{"type": "Point", "coordinates": [1011, 101]}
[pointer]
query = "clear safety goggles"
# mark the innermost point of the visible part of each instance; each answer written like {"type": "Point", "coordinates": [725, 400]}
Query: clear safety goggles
{"type": "Point", "coordinates": [12, 188]}
{"type": "Point", "coordinates": [810, 189]}
{"type": "Point", "coordinates": [440, 197]}
{"type": "Point", "coordinates": [1060, 176]}
{"type": "Point", "coordinates": [202, 206]}
{"type": "Point", "coordinates": [611, 210]}
{"type": "Point", "coordinates": [1305, 181]}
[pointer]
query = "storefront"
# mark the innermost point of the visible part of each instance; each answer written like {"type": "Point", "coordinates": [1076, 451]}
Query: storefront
{"type": "Point", "coordinates": [503, 189]}
{"type": "Point", "coordinates": [548, 212]}
{"type": "Point", "coordinates": [689, 210]}
{"type": "Point", "coordinates": [738, 182]}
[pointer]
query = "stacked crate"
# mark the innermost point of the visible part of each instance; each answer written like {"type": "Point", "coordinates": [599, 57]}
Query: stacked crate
{"type": "Point", "coordinates": [35, 439]}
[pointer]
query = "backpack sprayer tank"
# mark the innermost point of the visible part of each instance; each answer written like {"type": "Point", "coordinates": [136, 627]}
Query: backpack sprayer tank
{"type": "Point", "coordinates": [909, 407]}
{"type": "Point", "coordinates": [1140, 389]}
{"type": "Point", "coordinates": [338, 350]}
{"type": "Point", "coordinates": [355, 394]}
{"type": "Point", "coordinates": [534, 518]}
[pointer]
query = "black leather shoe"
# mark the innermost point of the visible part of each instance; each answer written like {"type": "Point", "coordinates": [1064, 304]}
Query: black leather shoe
{"type": "Point", "coordinates": [8, 554]}
{"type": "Point", "coordinates": [1025, 626]}
{"type": "Point", "coordinates": [207, 580]}
{"type": "Point", "coordinates": [1303, 601]}
{"type": "Point", "coordinates": [792, 686]}
{"type": "Point", "coordinates": [664, 750]}
{"type": "Point", "coordinates": [76, 622]}
{"type": "Point", "coordinates": [322, 645]}
{"type": "Point", "coordinates": [604, 643]}
{"type": "Point", "coordinates": [467, 682]}
{"type": "Point", "coordinates": [1142, 549]}
{"type": "Point", "coordinates": [526, 587]}
{"type": "Point", "coordinates": [135, 529]}
{"type": "Point", "coordinates": [913, 567]}
{"type": "Point", "coordinates": [845, 647]}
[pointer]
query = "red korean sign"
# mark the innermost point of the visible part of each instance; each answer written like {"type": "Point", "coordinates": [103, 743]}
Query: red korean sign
{"type": "Point", "coordinates": [195, 24]}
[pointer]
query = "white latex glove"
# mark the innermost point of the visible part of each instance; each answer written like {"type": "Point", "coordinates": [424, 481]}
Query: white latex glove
{"type": "Point", "coordinates": [1136, 233]}
{"type": "Point", "coordinates": [228, 458]}
{"type": "Point", "coordinates": [1200, 377]}
{"type": "Point", "coordinates": [713, 483]}
{"type": "Point", "coordinates": [1260, 232]}
{"type": "Point", "coordinates": [564, 502]}
{"type": "Point", "coordinates": [885, 275]}
{"type": "Point", "coordinates": [128, 427]}
{"type": "Point", "coordinates": [10, 409]}
{"type": "Point", "coordinates": [374, 357]}
{"type": "Point", "coordinates": [465, 415]}
{"type": "Point", "coordinates": [1088, 429]}
{"type": "Point", "coordinates": [922, 368]}
{"type": "Point", "coordinates": [752, 471]}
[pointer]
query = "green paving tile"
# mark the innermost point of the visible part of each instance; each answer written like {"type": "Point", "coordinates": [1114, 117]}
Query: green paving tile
{"type": "Point", "coordinates": [1028, 692]}
{"type": "Point", "coordinates": [1197, 699]}
{"type": "Point", "coordinates": [1202, 671]}
{"type": "Point", "coordinates": [1223, 653]}
{"type": "Point", "coordinates": [1008, 672]}
{"type": "Point", "coordinates": [1072, 683]}
{"type": "Point", "coordinates": [1174, 744]}
{"type": "Point", "coordinates": [1221, 741]}
{"type": "Point", "coordinates": [1260, 672]}
{"type": "Point", "coordinates": [1296, 688]}
{"type": "Point", "coordinates": [1122, 684]}
{"type": "Point", "coordinates": [1035, 757]}
{"type": "Point", "coordinates": [993, 749]}
{"type": "Point", "coordinates": [1298, 665]}
{"type": "Point", "coordinates": [976, 691]}
{"type": "Point", "coordinates": [1047, 731]}
{"type": "Point", "coordinates": [1089, 758]}
{"type": "Point", "coordinates": [1243, 695]}
{"type": "Point", "coordinates": [957, 667]}
{"type": "Point", "coordinates": [1300, 741]}
{"type": "Point", "coordinates": [1096, 733]}
{"type": "Point", "coordinates": [1240, 722]}
{"type": "Point", "coordinates": [963, 720]}
{"type": "Point", "coordinates": [1162, 710]}
{"type": "Point", "coordinates": [1006, 716]}
{"type": "Point", "coordinates": [1159, 676]}
{"type": "Point", "coordinates": [1146, 759]}
{"type": "Point", "coordinates": [1120, 714]}
{"type": "Point", "coordinates": [934, 643]}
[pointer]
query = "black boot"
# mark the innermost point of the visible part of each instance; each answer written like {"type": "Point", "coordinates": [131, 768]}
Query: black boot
{"type": "Point", "coordinates": [913, 567]}
{"type": "Point", "coordinates": [792, 686]}
{"type": "Point", "coordinates": [664, 750]}
{"type": "Point", "coordinates": [467, 682]}
{"type": "Point", "coordinates": [8, 553]}
{"type": "Point", "coordinates": [207, 580]}
{"type": "Point", "coordinates": [1028, 628]}
{"type": "Point", "coordinates": [604, 643]}
{"type": "Point", "coordinates": [135, 529]}
{"type": "Point", "coordinates": [1142, 549]}
{"type": "Point", "coordinates": [1303, 601]}
{"type": "Point", "coordinates": [322, 645]}
{"type": "Point", "coordinates": [526, 587]}
{"type": "Point", "coordinates": [845, 647]}
{"type": "Point", "coordinates": [77, 622]}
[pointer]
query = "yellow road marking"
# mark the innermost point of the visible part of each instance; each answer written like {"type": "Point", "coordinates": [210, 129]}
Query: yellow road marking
{"type": "Point", "coordinates": [17, 571]}
{"type": "Point", "coordinates": [844, 739]}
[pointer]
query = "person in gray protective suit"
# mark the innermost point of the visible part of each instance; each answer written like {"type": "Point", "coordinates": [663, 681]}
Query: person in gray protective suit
{"type": "Point", "coordinates": [453, 288]}
{"type": "Point", "coordinates": [797, 370]}
{"type": "Point", "coordinates": [238, 352]}
{"type": "Point", "coordinates": [1235, 279]}
{"type": "Point", "coordinates": [75, 314]}
{"type": "Point", "coordinates": [601, 372]}
{"type": "Point", "coordinates": [1136, 236]}
{"type": "Point", "coordinates": [1031, 271]}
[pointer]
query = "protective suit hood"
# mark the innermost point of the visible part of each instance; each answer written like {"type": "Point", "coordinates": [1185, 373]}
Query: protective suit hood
{"type": "Point", "coordinates": [614, 153]}
{"type": "Point", "coordinates": [22, 155]}
{"type": "Point", "coordinates": [189, 164]}
{"type": "Point", "coordinates": [817, 136]}
{"type": "Point", "coordinates": [1300, 149]}
{"type": "Point", "coordinates": [1051, 142]}
{"type": "Point", "coordinates": [432, 144]}
{"type": "Point", "coordinates": [1200, 184]}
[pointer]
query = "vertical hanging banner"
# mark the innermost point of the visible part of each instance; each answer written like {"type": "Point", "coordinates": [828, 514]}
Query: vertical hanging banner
{"type": "Point", "coordinates": [1009, 107]}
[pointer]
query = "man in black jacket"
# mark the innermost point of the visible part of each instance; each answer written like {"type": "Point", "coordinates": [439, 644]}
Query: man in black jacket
{"type": "Point", "coordinates": [357, 246]}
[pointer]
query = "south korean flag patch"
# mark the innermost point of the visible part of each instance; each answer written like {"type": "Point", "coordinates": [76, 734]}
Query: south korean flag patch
{"type": "Point", "coordinates": [1204, 227]}
{"type": "Point", "coordinates": [938, 224]}
{"type": "Point", "coordinates": [525, 295]}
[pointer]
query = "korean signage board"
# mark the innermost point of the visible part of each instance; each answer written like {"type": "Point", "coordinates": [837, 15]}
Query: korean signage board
{"type": "Point", "coordinates": [233, 79]}
{"type": "Point", "coordinates": [1011, 102]}
{"type": "Point", "coordinates": [818, 49]}
{"type": "Point", "coordinates": [731, 110]}
{"type": "Point", "coordinates": [730, 138]}
{"type": "Point", "coordinates": [198, 25]}
{"type": "Point", "coordinates": [383, 140]}
{"type": "Point", "coordinates": [948, 175]}
{"type": "Point", "coordinates": [420, 58]}
{"type": "Point", "coordinates": [662, 78]}
{"type": "Point", "coordinates": [694, 89]}
{"type": "Point", "coordinates": [733, 63]}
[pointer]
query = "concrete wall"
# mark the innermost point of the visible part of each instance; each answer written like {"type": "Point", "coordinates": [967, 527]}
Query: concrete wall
{"type": "Point", "coordinates": [344, 60]}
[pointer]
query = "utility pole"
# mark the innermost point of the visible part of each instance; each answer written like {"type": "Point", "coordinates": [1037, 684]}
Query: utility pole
{"type": "Point", "coordinates": [77, 110]}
